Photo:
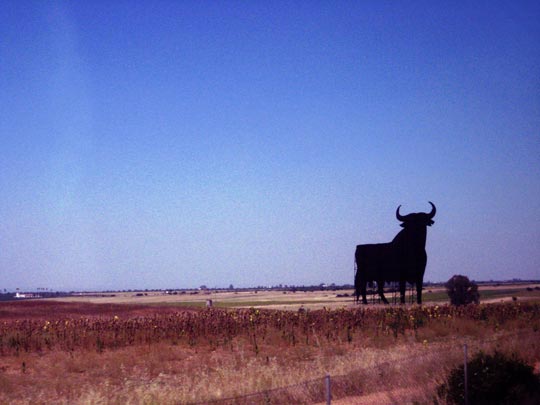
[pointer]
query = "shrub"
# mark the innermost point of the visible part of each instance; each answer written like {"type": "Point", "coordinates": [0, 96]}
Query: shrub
{"type": "Point", "coordinates": [492, 379]}
{"type": "Point", "coordinates": [462, 291]}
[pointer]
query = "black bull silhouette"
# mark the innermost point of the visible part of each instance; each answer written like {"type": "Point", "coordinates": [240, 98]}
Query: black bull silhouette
{"type": "Point", "coordinates": [403, 260]}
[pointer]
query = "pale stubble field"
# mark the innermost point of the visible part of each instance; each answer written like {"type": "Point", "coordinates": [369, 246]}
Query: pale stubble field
{"type": "Point", "coordinates": [288, 300]}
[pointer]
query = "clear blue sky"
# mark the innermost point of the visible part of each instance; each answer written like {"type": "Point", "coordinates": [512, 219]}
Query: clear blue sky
{"type": "Point", "coordinates": [161, 144]}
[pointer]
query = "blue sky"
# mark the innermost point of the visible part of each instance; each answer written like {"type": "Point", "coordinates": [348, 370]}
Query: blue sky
{"type": "Point", "coordinates": [173, 144]}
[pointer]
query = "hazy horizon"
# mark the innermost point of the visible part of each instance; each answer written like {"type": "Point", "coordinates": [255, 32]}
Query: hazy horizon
{"type": "Point", "coordinates": [148, 145]}
{"type": "Point", "coordinates": [330, 286]}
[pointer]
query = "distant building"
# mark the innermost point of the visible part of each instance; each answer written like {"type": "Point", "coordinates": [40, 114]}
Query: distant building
{"type": "Point", "coordinates": [27, 295]}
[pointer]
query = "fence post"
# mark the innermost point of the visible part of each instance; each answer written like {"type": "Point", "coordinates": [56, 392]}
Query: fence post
{"type": "Point", "coordinates": [328, 390]}
{"type": "Point", "coordinates": [465, 378]}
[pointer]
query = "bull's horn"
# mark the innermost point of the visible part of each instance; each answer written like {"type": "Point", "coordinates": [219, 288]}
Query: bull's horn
{"type": "Point", "coordinates": [433, 210]}
{"type": "Point", "coordinates": [399, 216]}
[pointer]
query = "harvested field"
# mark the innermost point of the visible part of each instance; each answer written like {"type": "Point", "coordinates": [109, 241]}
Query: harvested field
{"type": "Point", "coordinates": [288, 300]}
{"type": "Point", "coordinates": [76, 352]}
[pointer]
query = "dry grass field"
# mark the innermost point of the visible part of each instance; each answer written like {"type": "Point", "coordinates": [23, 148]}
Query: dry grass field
{"type": "Point", "coordinates": [170, 349]}
{"type": "Point", "coordinates": [287, 300]}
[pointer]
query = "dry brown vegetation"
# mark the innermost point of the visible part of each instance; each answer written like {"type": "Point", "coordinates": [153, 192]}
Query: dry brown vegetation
{"type": "Point", "coordinates": [88, 353]}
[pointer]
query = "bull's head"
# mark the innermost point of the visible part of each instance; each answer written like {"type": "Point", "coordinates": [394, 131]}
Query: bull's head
{"type": "Point", "coordinates": [420, 218]}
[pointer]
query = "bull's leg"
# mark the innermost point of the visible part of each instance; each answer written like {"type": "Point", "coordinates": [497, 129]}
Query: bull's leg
{"type": "Point", "coordinates": [380, 290]}
{"type": "Point", "coordinates": [360, 285]}
{"type": "Point", "coordinates": [419, 284]}
{"type": "Point", "coordinates": [363, 290]}
{"type": "Point", "coordinates": [358, 291]}
{"type": "Point", "coordinates": [402, 285]}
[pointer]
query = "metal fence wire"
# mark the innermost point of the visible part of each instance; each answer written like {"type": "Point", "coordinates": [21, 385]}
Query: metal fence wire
{"type": "Point", "coordinates": [322, 390]}
{"type": "Point", "coordinates": [283, 395]}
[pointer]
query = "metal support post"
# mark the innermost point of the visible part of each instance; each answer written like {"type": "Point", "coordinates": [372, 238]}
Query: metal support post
{"type": "Point", "coordinates": [466, 391]}
{"type": "Point", "coordinates": [328, 389]}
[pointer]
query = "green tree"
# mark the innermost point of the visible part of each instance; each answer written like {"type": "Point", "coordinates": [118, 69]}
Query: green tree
{"type": "Point", "coordinates": [462, 291]}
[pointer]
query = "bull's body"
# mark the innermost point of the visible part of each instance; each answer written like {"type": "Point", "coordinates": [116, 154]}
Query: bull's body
{"type": "Point", "coordinates": [403, 260]}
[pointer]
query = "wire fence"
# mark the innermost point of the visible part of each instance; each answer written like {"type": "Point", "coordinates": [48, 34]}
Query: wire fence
{"type": "Point", "coordinates": [329, 387]}
{"type": "Point", "coordinates": [315, 388]}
